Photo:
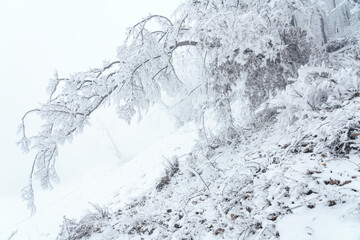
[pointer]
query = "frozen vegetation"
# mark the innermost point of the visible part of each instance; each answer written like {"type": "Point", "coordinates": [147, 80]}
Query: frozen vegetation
{"type": "Point", "coordinates": [273, 89]}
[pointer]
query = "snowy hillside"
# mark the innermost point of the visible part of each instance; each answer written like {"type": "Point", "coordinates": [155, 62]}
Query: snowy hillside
{"type": "Point", "coordinates": [273, 88]}
{"type": "Point", "coordinates": [273, 183]}
{"type": "Point", "coordinates": [111, 186]}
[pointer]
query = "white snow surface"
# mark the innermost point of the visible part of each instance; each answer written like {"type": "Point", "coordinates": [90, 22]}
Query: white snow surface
{"type": "Point", "coordinates": [322, 223]}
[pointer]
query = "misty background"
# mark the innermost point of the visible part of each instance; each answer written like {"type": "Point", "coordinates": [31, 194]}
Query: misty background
{"type": "Point", "coordinates": [38, 37]}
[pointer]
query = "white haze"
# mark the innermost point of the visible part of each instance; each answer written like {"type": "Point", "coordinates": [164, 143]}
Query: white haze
{"type": "Point", "coordinates": [38, 37]}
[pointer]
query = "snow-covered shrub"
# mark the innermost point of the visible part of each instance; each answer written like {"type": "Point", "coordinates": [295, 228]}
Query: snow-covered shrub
{"type": "Point", "coordinates": [266, 79]}
{"type": "Point", "coordinates": [171, 168]}
{"type": "Point", "coordinates": [97, 214]}
{"type": "Point", "coordinates": [90, 223]}
{"type": "Point", "coordinates": [72, 230]}
{"type": "Point", "coordinates": [322, 94]}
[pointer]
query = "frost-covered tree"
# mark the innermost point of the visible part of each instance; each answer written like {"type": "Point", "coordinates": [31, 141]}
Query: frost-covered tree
{"type": "Point", "coordinates": [242, 52]}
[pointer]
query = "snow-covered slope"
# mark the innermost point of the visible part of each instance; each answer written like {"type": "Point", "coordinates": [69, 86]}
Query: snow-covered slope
{"type": "Point", "coordinates": [299, 182]}
{"type": "Point", "coordinates": [111, 186]}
